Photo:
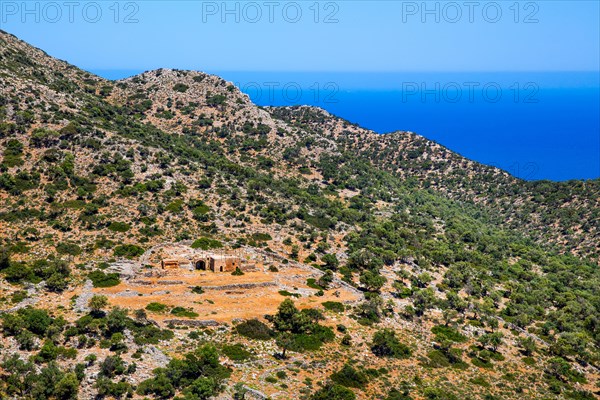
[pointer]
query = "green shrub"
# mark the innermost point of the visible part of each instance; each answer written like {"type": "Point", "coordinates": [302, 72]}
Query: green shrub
{"type": "Point", "coordinates": [528, 361]}
{"type": "Point", "coordinates": [13, 153]}
{"type": "Point", "coordinates": [237, 352]}
{"type": "Point", "coordinates": [48, 352]}
{"type": "Point", "coordinates": [215, 100]}
{"type": "Point", "coordinates": [305, 342]}
{"type": "Point", "coordinates": [438, 394]}
{"type": "Point", "coordinates": [102, 280]}
{"type": "Point", "coordinates": [480, 380]}
{"type": "Point", "coordinates": [335, 306]}
{"type": "Point", "coordinates": [104, 243]}
{"type": "Point", "coordinates": [350, 377]}
{"type": "Point", "coordinates": [205, 243]}
{"type": "Point", "coordinates": [68, 248]}
{"type": "Point", "coordinates": [482, 363]}
{"type": "Point", "coordinates": [288, 294]}
{"type": "Point", "coordinates": [446, 332]}
{"type": "Point", "coordinates": [156, 307]}
{"type": "Point", "coordinates": [254, 329]}
{"type": "Point", "coordinates": [119, 227]}
{"type": "Point", "coordinates": [437, 359]}
{"type": "Point", "coordinates": [261, 237]}
{"type": "Point", "coordinates": [386, 344]}
{"type": "Point", "coordinates": [199, 209]}
{"type": "Point", "coordinates": [18, 296]}
{"type": "Point", "coordinates": [128, 250]}
{"type": "Point", "coordinates": [180, 87]}
{"type": "Point", "coordinates": [108, 388]}
{"type": "Point", "coordinates": [312, 283]}
{"type": "Point", "coordinates": [18, 272]}
{"type": "Point", "coordinates": [331, 261]}
{"type": "Point", "coordinates": [175, 207]}
{"type": "Point", "coordinates": [183, 312]}
{"type": "Point", "coordinates": [20, 247]}
{"type": "Point", "coordinates": [197, 290]}
{"type": "Point", "coordinates": [333, 391]}
{"type": "Point", "coordinates": [34, 320]}
{"type": "Point", "coordinates": [580, 395]}
{"type": "Point", "coordinates": [150, 334]}
{"type": "Point", "coordinates": [312, 341]}
{"type": "Point", "coordinates": [281, 374]}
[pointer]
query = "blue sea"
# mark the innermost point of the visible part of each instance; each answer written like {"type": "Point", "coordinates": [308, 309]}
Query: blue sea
{"type": "Point", "coordinates": [533, 125]}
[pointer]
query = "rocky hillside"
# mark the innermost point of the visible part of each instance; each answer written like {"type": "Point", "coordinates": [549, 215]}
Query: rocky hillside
{"type": "Point", "coordinates": [562, 213]}
{"type": "Point", "coordinates": [472, 283]}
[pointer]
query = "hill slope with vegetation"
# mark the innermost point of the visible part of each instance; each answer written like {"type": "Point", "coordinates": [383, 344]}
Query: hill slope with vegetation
{"type": "Point", "coordinates": [474, 283]}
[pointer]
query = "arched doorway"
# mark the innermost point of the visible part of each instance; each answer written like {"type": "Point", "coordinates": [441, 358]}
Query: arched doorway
{"type": "Point", "coordinates": [201, 264]}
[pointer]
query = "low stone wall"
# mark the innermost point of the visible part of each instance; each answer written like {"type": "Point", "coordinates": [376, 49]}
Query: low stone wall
{"type": "Point", "coordinates": [150, 283]}
{"type": "Point", "coordinates": [193, 323]}
{"type": "Point", "coordinates": [253, 394]}
{"type": "Point", "coordinates": [240, 286]}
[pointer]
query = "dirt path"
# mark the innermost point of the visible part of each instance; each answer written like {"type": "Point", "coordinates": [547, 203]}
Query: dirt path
{"type": "Point", "coordinates": [81, 303]}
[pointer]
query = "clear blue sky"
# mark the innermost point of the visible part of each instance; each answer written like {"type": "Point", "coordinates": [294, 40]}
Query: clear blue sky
{"type": "Point", "coordinates": [368, 35]}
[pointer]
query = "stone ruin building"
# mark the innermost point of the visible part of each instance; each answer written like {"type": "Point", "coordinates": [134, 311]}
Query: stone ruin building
{"type": "Point", "coordinates": [207, 262]}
